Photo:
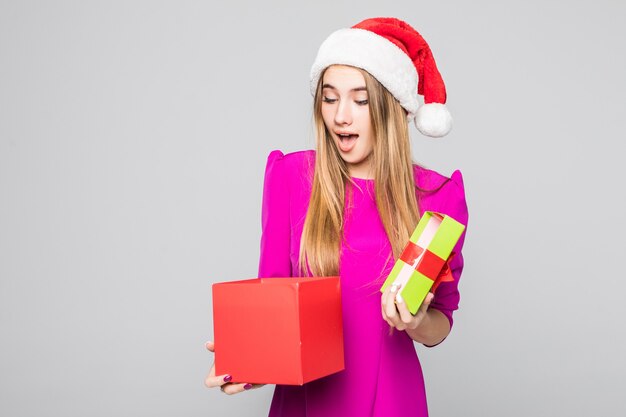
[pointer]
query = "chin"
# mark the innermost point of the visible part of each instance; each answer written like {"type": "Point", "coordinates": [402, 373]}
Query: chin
{"type": "Point", "coordinates": [354, 161]}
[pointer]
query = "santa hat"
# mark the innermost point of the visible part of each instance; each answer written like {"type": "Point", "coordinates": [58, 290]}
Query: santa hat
{"type": "Point", "coordinates": [400, 59]}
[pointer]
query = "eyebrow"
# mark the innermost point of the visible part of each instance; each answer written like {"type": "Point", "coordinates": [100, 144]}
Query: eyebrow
{"type": "Point", "coordinates": [354, 89]}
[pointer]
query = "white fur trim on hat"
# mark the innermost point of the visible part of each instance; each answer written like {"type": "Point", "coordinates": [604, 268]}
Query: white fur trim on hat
{"type": "Point", "coordinates": [386, 62]}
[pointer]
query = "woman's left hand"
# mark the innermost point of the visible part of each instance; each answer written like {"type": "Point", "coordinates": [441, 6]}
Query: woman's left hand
{"type": "Point", "coordinates": [396, 313]}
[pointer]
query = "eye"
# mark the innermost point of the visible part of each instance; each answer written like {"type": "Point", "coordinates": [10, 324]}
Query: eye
{"type": "Point", "coordinates": [361, 102]}
{"type": "Point", "coordinates": [328, 100]}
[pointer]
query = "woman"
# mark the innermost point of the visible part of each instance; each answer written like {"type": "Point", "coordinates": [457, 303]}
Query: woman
{"type": "Point", "coordinates": [348, 209]}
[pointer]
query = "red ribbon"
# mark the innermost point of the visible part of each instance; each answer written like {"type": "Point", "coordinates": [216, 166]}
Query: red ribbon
{"type": "Point", "coordinates": [445, 275]}
{"type": "Point", "coordinates": [411, 253]}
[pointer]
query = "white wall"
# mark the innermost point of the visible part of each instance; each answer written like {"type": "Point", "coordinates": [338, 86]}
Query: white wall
{"type": "Point", "coordinates": [133, 138]}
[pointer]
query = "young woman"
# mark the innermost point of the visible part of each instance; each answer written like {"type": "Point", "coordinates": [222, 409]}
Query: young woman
{"type": "Point", "coordinates": [348, 209]}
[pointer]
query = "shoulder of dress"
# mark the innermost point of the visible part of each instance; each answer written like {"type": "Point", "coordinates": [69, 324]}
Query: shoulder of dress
{"type": "Point", "coordinates": [292, 162]}
{"type": "Point", "coordinates": [441, 193]}
{"type": "Point", "coordinates": [431, 182]}
{"type": "Point", "coordinates": [428, 179]}
{"type": "Point", "coordinates": [300, 156]}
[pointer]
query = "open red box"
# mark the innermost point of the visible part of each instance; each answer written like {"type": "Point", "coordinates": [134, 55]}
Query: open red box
{"type": "Point", "coordinates": [278, 330]}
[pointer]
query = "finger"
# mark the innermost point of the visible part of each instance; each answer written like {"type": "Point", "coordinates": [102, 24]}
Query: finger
{"type": "Point", "coordinates": [405, 315]}
{"type": "Point", "coordinates": [390, 304]}
{"type": "Point", "coordinates": [212, 381]}
{"type": "Point", "coordinates": [427, 300]}
{"type": "Point", "coordinates": [383, 306]}
{"type": "Point", "coordinates": [210, 346]}
{"type": "Point", "coordinates": [383, 303]}
{"type": "Point", "coordinates": [383, 299]}
{"type": "Point", "coordinates": [401, 320]}
{"type": "Point", "coordinates": [389, 322]}
{"type": "Point", "coordinates": [389, 312]}
{"type": "Point", "coordinates": [421, 313]}
{"type": "Point", "coordinates": [231, 389]}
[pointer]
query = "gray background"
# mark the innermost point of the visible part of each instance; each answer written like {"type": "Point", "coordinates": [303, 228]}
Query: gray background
{"type": "Point", "coordinates": [133, 139]}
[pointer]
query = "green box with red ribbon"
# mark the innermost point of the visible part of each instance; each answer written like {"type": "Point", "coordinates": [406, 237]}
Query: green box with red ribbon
{"type": "Point", "coordinates": [424, 263]}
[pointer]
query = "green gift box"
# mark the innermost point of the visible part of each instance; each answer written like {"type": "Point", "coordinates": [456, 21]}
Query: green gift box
{"type": "Point", "coordinates": [424, 261]}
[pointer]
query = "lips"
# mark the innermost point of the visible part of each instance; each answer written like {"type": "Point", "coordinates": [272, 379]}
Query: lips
{"type": "Point", "coordinates": [347, 141]}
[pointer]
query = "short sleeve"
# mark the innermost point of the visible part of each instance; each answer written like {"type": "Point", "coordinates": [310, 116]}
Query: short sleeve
{"type": "Point", "coordinates": [452, 204]}
{"type": "Point", "coordinates": [275, 220]}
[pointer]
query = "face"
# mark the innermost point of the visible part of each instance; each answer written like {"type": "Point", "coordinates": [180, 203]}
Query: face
{"type": "Point", "coordinates": [346, 114]}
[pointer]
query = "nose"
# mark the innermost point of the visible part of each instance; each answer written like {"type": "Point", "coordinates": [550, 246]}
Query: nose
{"type": "Point", "coordinates": [343, 116]}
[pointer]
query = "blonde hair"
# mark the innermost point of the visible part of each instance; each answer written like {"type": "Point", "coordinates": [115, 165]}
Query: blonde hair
{"type": "Point", "coordinates": [393, 174]}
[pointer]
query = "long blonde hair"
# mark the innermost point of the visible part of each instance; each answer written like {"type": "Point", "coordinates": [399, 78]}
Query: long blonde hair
{"type": "Point", "coordinates": [394, 183]}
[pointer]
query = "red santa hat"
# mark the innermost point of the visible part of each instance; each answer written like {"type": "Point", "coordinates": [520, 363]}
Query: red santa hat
{"type": "Point", "coordinates": [400, 59]}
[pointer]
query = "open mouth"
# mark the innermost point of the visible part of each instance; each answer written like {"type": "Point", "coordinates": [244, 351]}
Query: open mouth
{"type": "Point", "coordinates": [347, 141]}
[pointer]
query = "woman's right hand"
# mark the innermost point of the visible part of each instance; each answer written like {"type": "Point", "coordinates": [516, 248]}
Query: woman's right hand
{"type": "Point", "coordinates": [224, 381]}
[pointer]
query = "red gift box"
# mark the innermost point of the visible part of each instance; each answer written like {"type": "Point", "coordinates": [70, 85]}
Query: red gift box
{"type": "Point", "coordinates": [278, 330]}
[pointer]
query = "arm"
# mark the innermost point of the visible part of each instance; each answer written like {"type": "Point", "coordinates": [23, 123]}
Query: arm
{"type": "Point", "coordinates": [433, 322]}
{"type": "Point", "coordinates": [429, 326]}
{"type": "Point", "coordinates": [433, 328]}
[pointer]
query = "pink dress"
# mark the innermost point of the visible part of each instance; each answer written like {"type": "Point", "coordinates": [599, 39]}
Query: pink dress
{"type": "Point", "coordinates": [382, 375]}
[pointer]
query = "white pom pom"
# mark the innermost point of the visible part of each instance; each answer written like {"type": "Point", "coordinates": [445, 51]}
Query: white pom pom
{"type": "Point", "coordinates": [433, 119]}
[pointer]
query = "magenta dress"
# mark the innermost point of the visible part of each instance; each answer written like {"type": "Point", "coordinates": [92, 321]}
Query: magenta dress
{"type": "Point", "coordinates": [382, 375]}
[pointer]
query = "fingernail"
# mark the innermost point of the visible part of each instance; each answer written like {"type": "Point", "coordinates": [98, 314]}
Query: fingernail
{"type": "Point", "coordinates": [399, 298]}
{"type": "Point", "coordinates": [394, 287]}
{"type": "Point", "coordinates": [247, 386]}
{"type": "Point", "coordinates": [228, 378]}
